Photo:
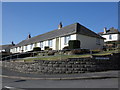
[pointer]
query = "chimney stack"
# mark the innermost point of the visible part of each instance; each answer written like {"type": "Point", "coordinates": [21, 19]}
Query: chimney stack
{"type": "Point", "coordinates": [60, 25]}
{"type": "Point", "coordinates": [29, 36]}
{"type": "Point", "coordinates": [105, 30]}
{"type": "Point", "coordinates": [13, 43]}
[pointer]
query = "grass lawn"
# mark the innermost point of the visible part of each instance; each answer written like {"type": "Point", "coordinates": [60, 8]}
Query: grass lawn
{"type": "Point", "coordinates": [63, 57]}
{"type": "Point", "coordinates": [58, 57]}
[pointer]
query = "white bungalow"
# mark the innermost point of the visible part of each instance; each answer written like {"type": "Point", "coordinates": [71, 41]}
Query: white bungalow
{"type": "Point", "coordinates": [6, 48]}
{"type": "Point", "coordinates": [59, 38]}
{"type": "Point", "coordinates": [112, 36]}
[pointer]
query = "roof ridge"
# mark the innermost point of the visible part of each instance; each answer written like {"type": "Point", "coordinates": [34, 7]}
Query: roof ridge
{"type": "Point", "coordinates": [82, 30]}
{"type": "Point", "coordinates": [53, 30]}
{"type": "Point", "coordinates": [66, 29]}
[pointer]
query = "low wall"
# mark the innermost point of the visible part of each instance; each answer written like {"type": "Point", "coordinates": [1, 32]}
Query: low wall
{"type": "Point", "coordinates": [72, 65]}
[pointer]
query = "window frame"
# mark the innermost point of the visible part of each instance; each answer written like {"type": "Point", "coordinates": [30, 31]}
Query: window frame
{"type": "Point", "coordinates": [41, 44]}
{"type": "Point", "coordinates": [66, 39]}
{"type": "Point", "coordinates": [110, 36]}
{"type": "Point", "coordinates": [31, 46]}
{"type": "Point", "coordinates": [26, 47]}
{"type": "Point", "coordinates": [50, 43]}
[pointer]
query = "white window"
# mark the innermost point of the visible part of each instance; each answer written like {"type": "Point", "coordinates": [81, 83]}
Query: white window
{"type": "Point", "coordinates": [16, 49]}
{"type": "Point", "coordinates": [45, 43]}
{"type": "Point", "coordinates": [19, 48]}
{"type": "Point", "coordinates": [110, 36]}
{"type": "Point", "coordinates": [50, 43]}
{"type": "Point", "coordinates": [26, 47]}
{"type": "Point", "coordinates": [22, 48]}
{"type": "Point", "coordinates": [35, 44]}
{"type": "Point", "coordinates": [13, 49]}
{"type": "Point", "coordinates": [31, 46]}
{"type": "Point", "coordinates": [41, 44]}
{"type": "Point", "coordinates": [97, 41]}
{"type": "Point", "coordinates": [66, 39]}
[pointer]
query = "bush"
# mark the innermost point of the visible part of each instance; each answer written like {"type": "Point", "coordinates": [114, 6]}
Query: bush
{"type": "Point", "coordinates": [74, 44]}
{"type": "Point", "coordinates": [80, 51]}
{"type": "Point", "coordinates": [118, 46]}
{"type": "Point", "coordinates": [36, 49]}
{"type": "Point", "coordinates": [84, 51]}
{"type": "Point", "coordinates": [49, 49]}
{"type": "Point", "coordinates": [95, 51]}
{"type": "Point", "coordinates": [51, 53]}
{"type": "Point", "coordinates": [65, 48]}
{"type": "Point", "coordinates": [75, 51]}
{"type": "Point", "coordinates": [46, 47]}
{"type": "Point", "coordinates": [104, 48]}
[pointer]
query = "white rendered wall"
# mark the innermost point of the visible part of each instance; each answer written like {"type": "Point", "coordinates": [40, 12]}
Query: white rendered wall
{"type": "Point", "coordinates": [54, 44]}
{"type": "Point", "coordinates": [88, 42]}
{"type": "Point", "coordinates": [62, 40]}
{"type": "Point", "coordinates": [114, 37]}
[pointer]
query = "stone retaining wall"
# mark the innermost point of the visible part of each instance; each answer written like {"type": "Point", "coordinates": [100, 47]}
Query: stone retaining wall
{"type": "Point", "coordinates": [72, 65]}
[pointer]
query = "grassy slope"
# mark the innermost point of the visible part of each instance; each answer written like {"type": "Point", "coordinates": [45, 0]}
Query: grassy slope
{"type": "Point", "coordinates": [63, 57]}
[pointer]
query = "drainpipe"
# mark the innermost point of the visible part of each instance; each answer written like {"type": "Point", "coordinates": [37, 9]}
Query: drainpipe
{"type": "Point", "coordinates": [60, 49]}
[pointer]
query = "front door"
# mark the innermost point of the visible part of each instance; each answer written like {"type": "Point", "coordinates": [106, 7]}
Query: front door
{"type": "Point", "coordinates": [57, 43]}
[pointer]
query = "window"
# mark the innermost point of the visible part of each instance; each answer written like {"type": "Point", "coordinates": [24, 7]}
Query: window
{"type": "Point", "coordinates": [31, 46]}
{"type": "Point", "coordinates": [45, 43]}
{"type": "Point", "coordinates": [25, 47]}
{"type": "Point", "coordinates": [50, 43]}
{"type": "Point", "coordinates": [19, 48]}
{"type": "Point", "coordinates": [97, 41]}
{"type": "Point", "coordinates": [110, 36]}
{"type": "Point", "coordinates": [66, 39]}
{"type": "Point", "coordinates": [16, 49]}
{"type": "Point", "coordinates": [35, 44]}
{"type": "Point", "coordinates": [41, 44]}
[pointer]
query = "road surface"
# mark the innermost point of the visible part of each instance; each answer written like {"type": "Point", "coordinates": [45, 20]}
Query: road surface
{"type": "Point", "coordinates": [41, 83]}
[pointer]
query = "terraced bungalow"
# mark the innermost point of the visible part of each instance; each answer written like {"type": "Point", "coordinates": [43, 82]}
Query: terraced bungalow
{"type": "Point", "coordinates": [59, 38]}
{"type": "Point", "coordinates": [5, 48]}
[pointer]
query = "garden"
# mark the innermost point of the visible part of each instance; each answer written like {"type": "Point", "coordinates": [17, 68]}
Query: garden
{"type": "Point", "coordinates": [71, 51]}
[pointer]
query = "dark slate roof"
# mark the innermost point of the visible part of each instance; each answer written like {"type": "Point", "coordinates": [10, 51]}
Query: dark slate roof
{"type": "Point", "coordinates": [111, 31]}
{"type": "Point", "coordinates": [5, 46]}
{"type": "Point", "coordinates": [67, 30]}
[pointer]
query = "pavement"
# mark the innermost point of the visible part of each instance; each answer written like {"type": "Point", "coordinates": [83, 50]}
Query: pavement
{"type": "Point", "coordinates": [6, 73]}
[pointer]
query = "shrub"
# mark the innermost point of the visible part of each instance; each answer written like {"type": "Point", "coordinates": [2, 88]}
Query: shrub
{"type": "Point", "coordinates": [49, 49]}
{"type": "Point", "coordinates": [51, 53]}
{"type": "Point", "coordinates": [104, 48]}
{"type": "Point", "coordinates": [118, 46]}
{"type": "Point", "coordinates": [84, 51]}
{"type": "Point", "coordinates": [95, 51]}
{"type": "Point", "coordinates": [65, 48]}
{"type": "Point", "coordinates": [75, 51]}
{"type": "Point", "coordinates": [79, 51]}
{"type": "Point", "coordinates": [46, 47]}
{"type": "Point", "coordinates": [74, 44]}
{"type": "Point", "coordinates": [36, 49]}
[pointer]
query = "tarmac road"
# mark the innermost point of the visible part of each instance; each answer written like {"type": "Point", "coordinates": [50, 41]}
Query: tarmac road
{"type": "Point", "coordinates": [96, 83]}
{"type": "Point", "coordinates": [105, 82]}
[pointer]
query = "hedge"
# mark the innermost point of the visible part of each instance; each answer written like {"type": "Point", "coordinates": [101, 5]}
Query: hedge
{"type": "Point", "coordinates": [74, 44]}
